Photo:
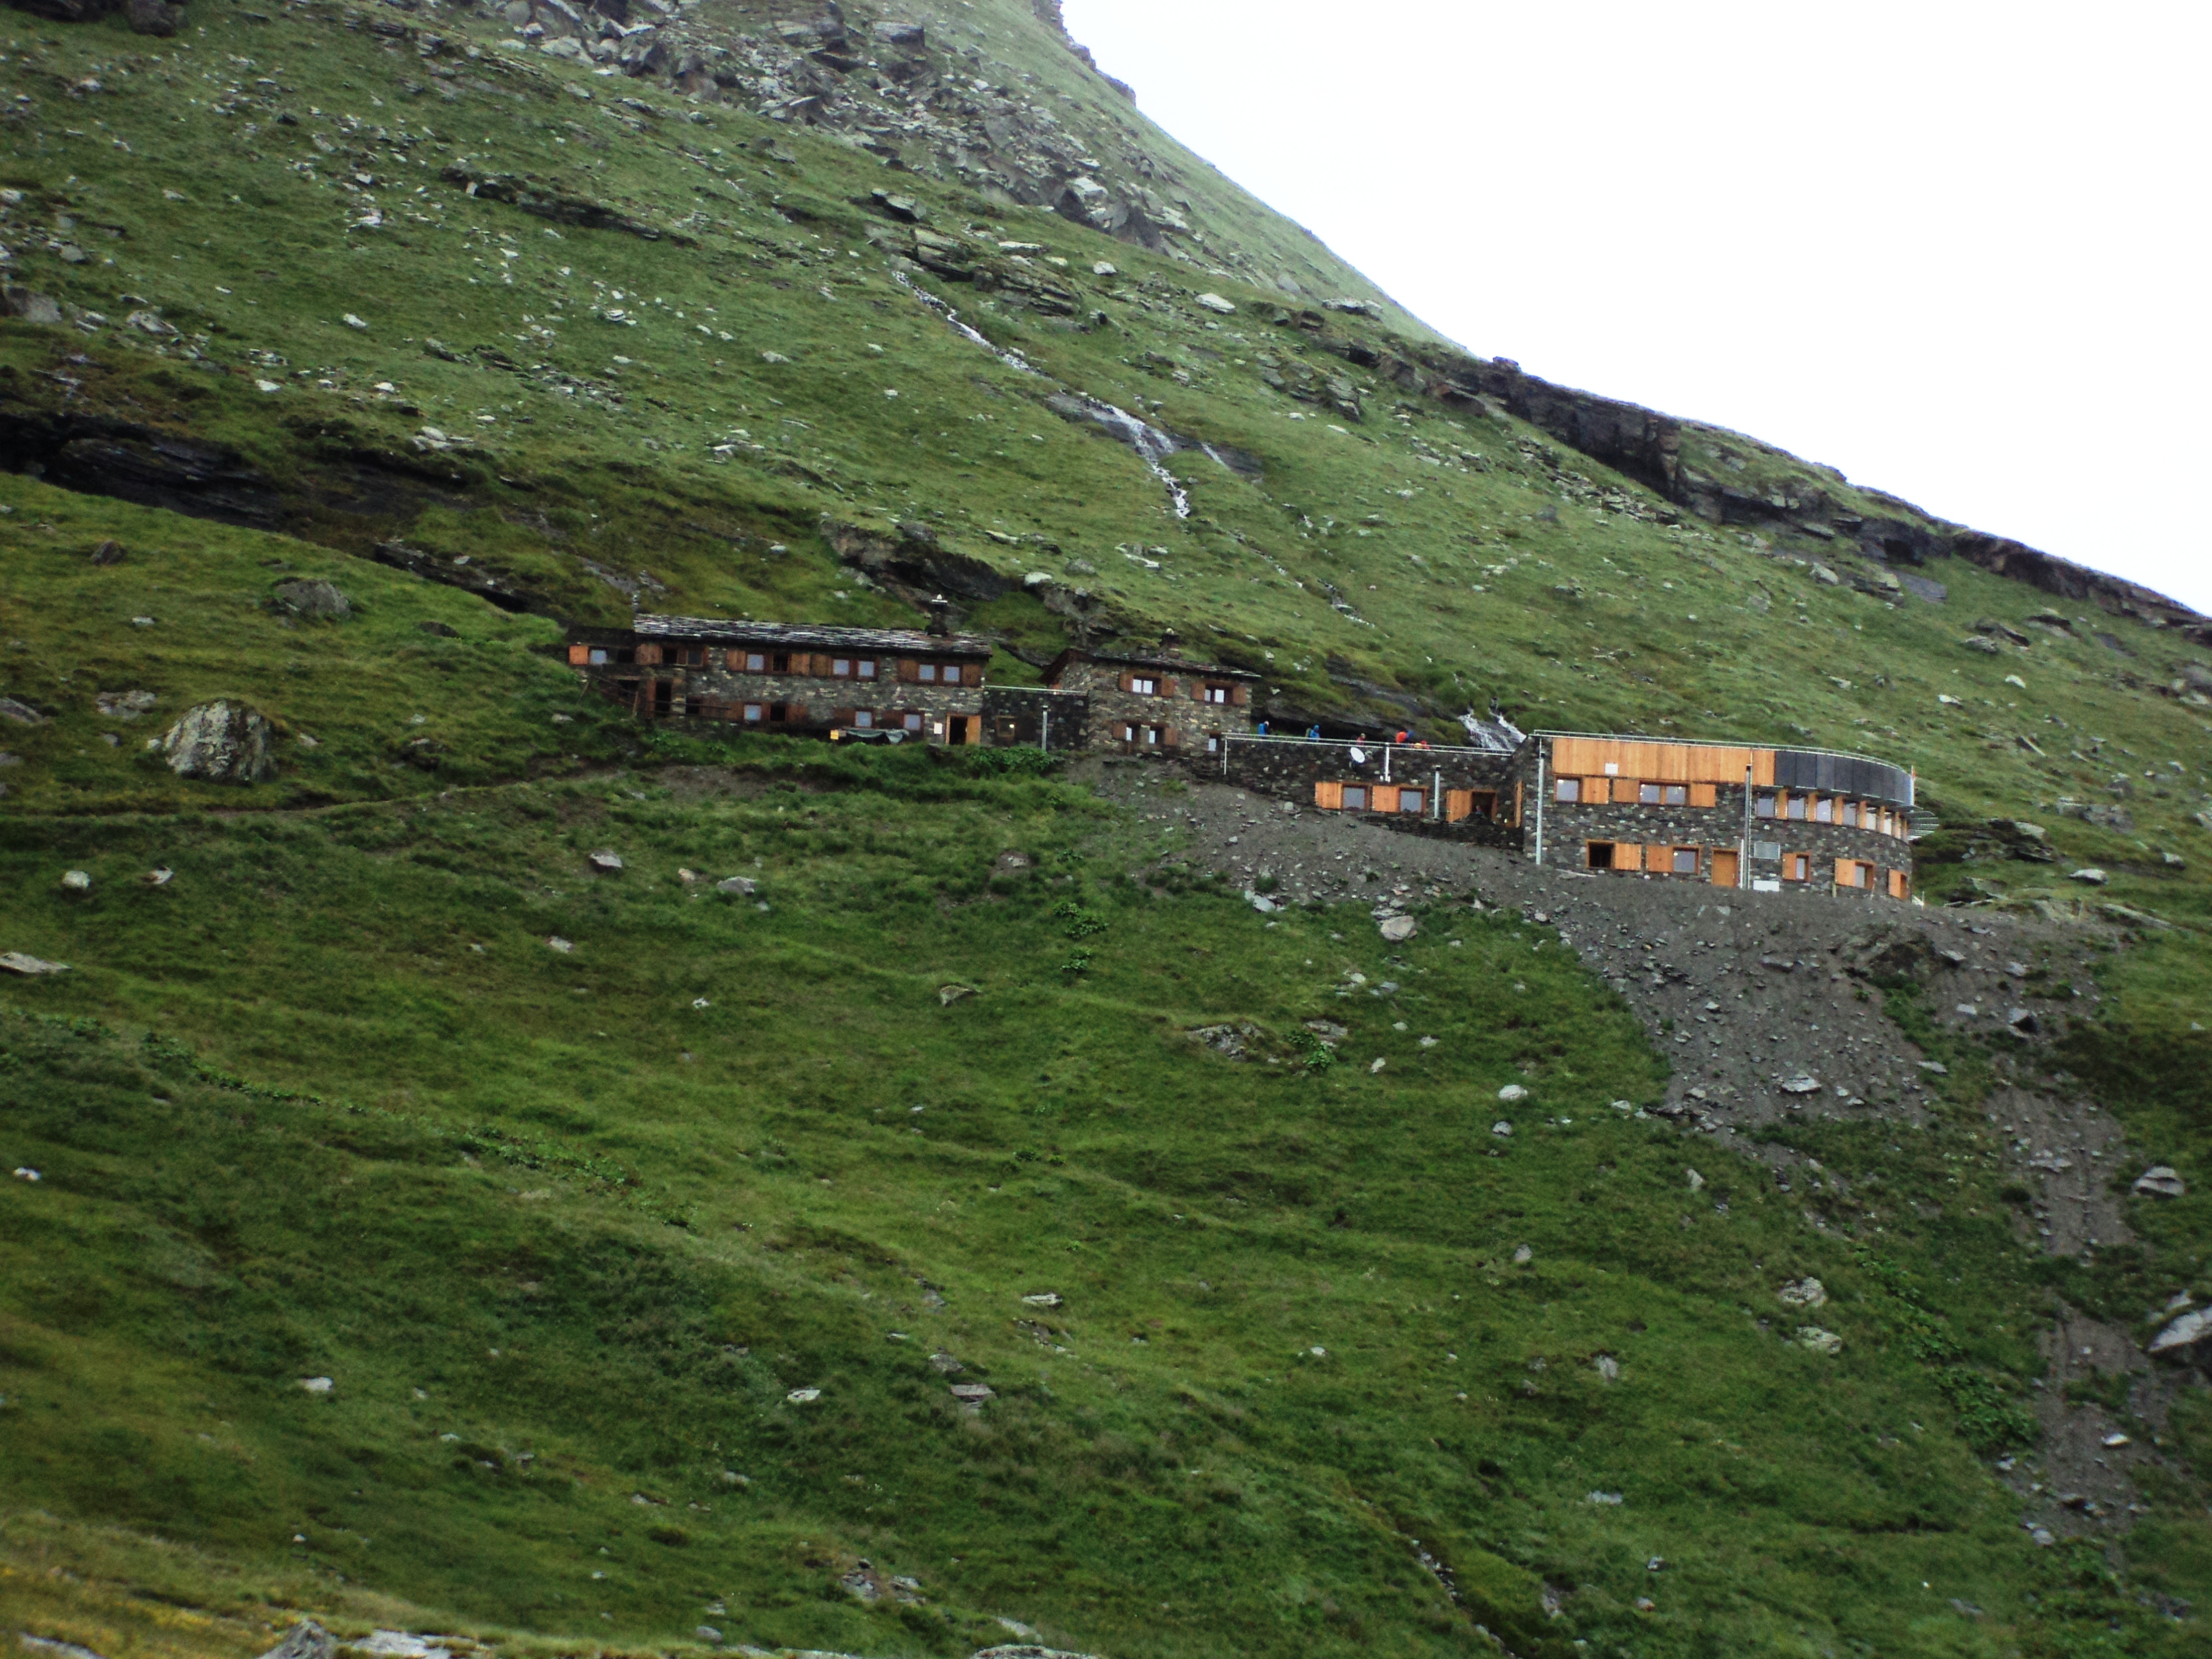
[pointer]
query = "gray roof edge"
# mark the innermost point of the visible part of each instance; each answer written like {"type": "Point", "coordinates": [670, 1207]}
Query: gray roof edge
{"type": "Point", "coordinates": [823, 634]}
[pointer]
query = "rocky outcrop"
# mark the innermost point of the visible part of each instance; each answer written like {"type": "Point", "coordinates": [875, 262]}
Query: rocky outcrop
{"type": "Point", "coordinates": [1647, 446]}
{"type": "Point", "coordinates": [221, 742]}
{"type": "Point", "coordinates": [101, 456]}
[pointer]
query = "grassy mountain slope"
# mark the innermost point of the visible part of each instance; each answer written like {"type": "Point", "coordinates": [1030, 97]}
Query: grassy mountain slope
{"type": "Point", "coordinates": [328, 1103]}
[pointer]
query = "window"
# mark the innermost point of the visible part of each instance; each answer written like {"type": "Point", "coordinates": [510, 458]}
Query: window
{"type": "Point", "coordinates": [909, 722]}
{"type": "Point", "coordinates": [1764, 806]}
{"type": "Point", "coordinates": [1797, 866]}
{"type": "Point", "coordinates": [1850, 872]}
{"type": "Point", "coordinates": [1598, 855]}
{"type": "Point", "coordinates": [927, 673]}
{"type": "Point", "coordinates": [1355, 798]}
{"type": "Point", "coordinates": [1411, 800]}
{"type": "Point", "coordinates": [1567, 789]}
{"type": "Point", "coordinates": [752, 662]}
{"type": "Point", "coordinates": [598, 658]}
{"type": "Point", "coordinates": [1212, 743]}
{"type": "Point", "coordinates": [779, 662]}
{"type": "Point", "coordinates": [840, 668]}
{"type": "Point", "coordinates": [1149, 737]}
{"type": "Point", "coordinates": [1824, 809]}
{"type": "Point", "coordinates": [1144, 686]}
{"type": "Point", "coordinates": [1215, 694]}
{"type": "Point", "coordinates": [1686, 862]}
{"type": "Point", "coordinates": [1676, 794]}
{"type": "Point", "coordinates": [1900, 884]}
{"type": "Point", "coordinates": [1767, 851]}
{"type": "Point", "coordinates": [865, 668]}
{"type": "Point", "coordinates": [1798, 804]}
{"type": "Point", "coordinates": [756, 711]}
{"type": "Point", "coordinates": [864, 720]}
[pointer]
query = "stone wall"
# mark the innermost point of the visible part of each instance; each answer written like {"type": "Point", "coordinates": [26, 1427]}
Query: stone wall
{"type": "Point", "coordinates": [1287, 768]}
{"type": "Point", "coordinates": [718, 693]}
{"type": "Point", "coordinates": [1035, 715]}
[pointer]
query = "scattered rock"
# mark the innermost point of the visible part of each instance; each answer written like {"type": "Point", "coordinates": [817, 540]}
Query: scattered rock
{"type": "Point", "coordinates": [1501, 1129]}
{"type": "Point", "coordinates": [1806, 1293]}
{"type": "Point", "coordinates": [14, 962]}
{"type": "Point", "coordinates": [23, 304]}
{"type": "Point", "coordinates": [21, 713]}
{"type": "Point", "coordinates": [305, 1640]}
{"type": "Point", "coordinates": [607, 860]}
{"type": "Point", "coordinates": [2160, 1182]}
{"type": "Point", "coordinates": [317, 1384]}
{"type": "Point", "coordinates": [973, 1394]}
{"type": "Point", "coordinates": [804, 1396]}
{"type": "Point", "coordinates": [107, 553]}
{"type": "Point", "coordinates": [221, 742]}
{"type": "Point", "coordinates": [1819, 1341]}
{"type": "Point", "coordinates": [949, 995]}
{"type": "Point", "coordinates": [443, 630]}
{"type": "Point", "coordinates": [2191, 1328]}
{"type": "Point", "coordinates": [1608, 1367]}
{"type": "Point", "coordinates": [1802, 1084]}
{"type": "Point", "coordinates": [1214, 302]}
{"type": "Point", "coordinates": [154, 17]}
{"type": "Point", "coordinates": [1041, 1299]}
{"type": "Point", "coordinates": [2089, 877]}
{"type": "Point", "coordinates": [739, 886]}
{"type": "Point", "coordinates": [124, 705]}
{"type": "Point", "coordinates": [1697, 1181]}
{"type": "Point", "coordinates": [317, 600]}
{"type": "Point", "coordinates": [46, 1646]}
{"type": "Point", "coordinates": [562, 946]}
{"type": "Point", "coordinates": [1512, 1094]}
{"type": "Point", "coordinates": [158, 878]}
{"type": "Point", "coordinates": [707, 1634]}
{"type": "Point", "coordinates": [1522, 1255]}
{"type": "Point", "coordinates": [1396, 930]}
{"type": "Point", "coordinates": [77, 881]}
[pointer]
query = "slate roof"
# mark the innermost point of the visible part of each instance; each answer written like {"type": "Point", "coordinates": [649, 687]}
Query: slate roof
{"type": "Point", "coordinates": [1133, 659]}
{"type": "Point", "coordinates": [811, 636]}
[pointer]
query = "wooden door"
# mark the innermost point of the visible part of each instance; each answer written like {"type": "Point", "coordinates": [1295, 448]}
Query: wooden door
{"type": "Point", "coordinates": [1725, 871]}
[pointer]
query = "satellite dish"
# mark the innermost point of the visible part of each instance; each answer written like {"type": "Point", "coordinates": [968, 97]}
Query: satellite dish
{"type": "Point", "coordinates": [1358, 755]}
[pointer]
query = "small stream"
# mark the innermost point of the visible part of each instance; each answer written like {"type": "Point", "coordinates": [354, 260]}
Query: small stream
{"type": "Point", "coordinates": [1152, 446]}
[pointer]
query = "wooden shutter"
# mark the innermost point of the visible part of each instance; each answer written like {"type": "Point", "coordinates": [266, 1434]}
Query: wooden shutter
{"type": "Point", "coordinates": [1171, 688]}
{"type": "Point", "coordinates": [649, 655]}
{"type": "Point", "coordinates": [1330, 795]}
{"type": "Point", "coordinates": [1596, 792]}
{"type": "Point", "coordinates": [580, 656]}
{"type": "Point", "coordinates": [1240, 696]}
{"type": "Point", "coordinates": [1627, 856]}
{"type": "Point", "coordinates": [1458, 803]}
{"type": "Point", "coordinates": [1383, 798]}
{"type": "Point", "coordinates": [1659, 859]}
{"type": "Point", "coordinates": [841, 717]}
{"type": "Point", "coordinates": [972, 674]}
{"type": "Point", "coordinates": [1127, 682]}
{"type": "Point", "coordinates": [1703, 795]}
{"type": "Point", "coordinates": [1171, 737]}
{"type": "Point", "coordinates": [794, 713]}
{"type": "Point", "coordinates": [909, 670]}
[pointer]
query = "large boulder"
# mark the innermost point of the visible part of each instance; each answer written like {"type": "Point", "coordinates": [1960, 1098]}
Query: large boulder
{"type": "Point", "coordinates": [305, 1640]}
{"type": "Point", "coordinates": [221, 742]}
{"type": "Point", "coordinates": [318, 599]}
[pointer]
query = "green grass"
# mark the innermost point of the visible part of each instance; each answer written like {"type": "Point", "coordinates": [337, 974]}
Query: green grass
{"type": "Point", "coordinates": [327, 1103]}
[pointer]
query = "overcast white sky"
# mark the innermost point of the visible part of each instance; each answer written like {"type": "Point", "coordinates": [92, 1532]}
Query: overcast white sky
{"type": "Point", "coordinates": [1958, 250]}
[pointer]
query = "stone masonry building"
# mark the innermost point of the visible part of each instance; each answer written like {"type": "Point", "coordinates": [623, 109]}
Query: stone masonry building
{"type": "Point", "coordinates": [1732, 815]}
{"type": "Point", "coordinates": [1666, 809]}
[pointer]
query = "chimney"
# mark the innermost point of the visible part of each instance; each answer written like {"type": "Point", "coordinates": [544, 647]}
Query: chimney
{"type": "Point", "coordinates": [1170, 642]}
{"type": "Point", "coordinates": [938, 611]}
